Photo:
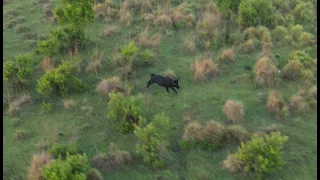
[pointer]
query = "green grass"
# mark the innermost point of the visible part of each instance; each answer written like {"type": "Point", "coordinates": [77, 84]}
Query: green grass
{"type": "Point", "coordinates": [93, 133]}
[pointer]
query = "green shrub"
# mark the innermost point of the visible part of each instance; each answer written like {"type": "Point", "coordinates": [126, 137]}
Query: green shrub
{"type": "Point", "coordinates": [262, 155]}
{"type": "Point", "coordinates": [256, 12]}
{"type": "Point", "coordinates": [61, 79]}
{"type": "Point", "coordinates": [296, 31]}
{"type": "Point", "coordinates": [124, 111]}
{"type": "Point", "coordinates": [61, 151]}
{"type": "Point", "coordinates": [146, 55]}
{"type": "Point", "coordinates": [46, 107]}
{"type": "Point", "coordinates": [301, 56]}
{"type": "Point", "coordinates": [306, 39]}
{"type": "Point", "coordinates": [17, 72]}
{"type": "Point", "coordinates": [129, 50]}
{"type": "Point", "coordinates": [74, 167]}
{"type": "Point", "coordinates": [74, 15]}
{"type": "Point", "coordinates": [279, 33]}
{"type": "Point", "coordinates": [150, 139]}
{"type": "Point", "coordinates": [304, 12]}
{"type": "Point", "coordinates": [47, 47]}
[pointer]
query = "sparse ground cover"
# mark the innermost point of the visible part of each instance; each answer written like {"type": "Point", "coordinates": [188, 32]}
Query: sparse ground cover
{"type": "Point", "coordinates": [231, 90]}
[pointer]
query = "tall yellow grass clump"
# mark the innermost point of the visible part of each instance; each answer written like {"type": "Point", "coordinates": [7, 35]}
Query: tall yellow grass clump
{"type": "Point", "coordinates": [233, 110]}
{"type": "Point", "coordinates": [204, 67]}
{"type": "Point", "coordinates": [18, 103]}
{"type": "Point", "coordinates": [95, 62]}
{"type": "Point", "coordinates": [162, 18]}
{"type": "Point", "coordinates": [107, 85]}
{"type": "Point", "coordinates": [146, 41]}
{"type": "Point", "coordinates": [190, 45]}
{"type": "Point", "coordinates": [227, 55]}
{"type": "Point", "coordinates": [47, 64]}
{"type": "Point", "coordinates": [274, 102]}
{"type": "Point", "coordinates": [292, 70]}
{"type": "Point", "coordinates": [266, 73]}
{"type": "Point", "coordinates": [125, 14]}
{"type": "Point", "coordinates": [182, 16]}
{"type": "Point", "coordinates": [111, 30]}
{"type": "Point", "coordinates": [35, 171]}
{"type": "Point", "coordinates": [105, 9]}
{"type": "Point", "coordinates": [208, 27]}
{"type": "Point", "coordinates": [248, 46]}
{"type": "Point", "coordinates": [297, 104]}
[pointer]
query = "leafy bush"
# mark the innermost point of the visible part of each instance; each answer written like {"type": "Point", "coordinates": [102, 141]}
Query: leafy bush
{"type": "Point", "coordinates": [16, 73]}
{"type": "Point", "coordinates": [61, 151]}
{"type": "Point", "coordinates": [74, 167]}
{"type": "Point", "coordinates": [279, 33]}
{"type": "Point", "coordinates": [150, 139]}
{"type": "Point", "coordinates": [146, 55]}
{"type": "Point", "coordinates": [61, 79]}
{"type": "Point", "coordinates": [304, 12]}
{"type": "Point", "coordinates": [301, 56]}
{"type": "Point", "coordinates": [262, 155]}
{"type": "Point", "coordinates": [256, 12]}
{"type": "Point", "coordinates": [129, 50]}
{"type": "Point", "coordinates": [47, 47]}
{"type": "Point", "coordinates": [124, 111]}
{"type": "Point", "coordinates": [46, 107]}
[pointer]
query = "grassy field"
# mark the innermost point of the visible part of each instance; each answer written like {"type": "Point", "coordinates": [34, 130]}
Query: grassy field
{"type": "Point", "coordinates": [93, 133]}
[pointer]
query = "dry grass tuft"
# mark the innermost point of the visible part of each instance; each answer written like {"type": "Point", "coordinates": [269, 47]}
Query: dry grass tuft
{"type": "Point", "coordinates": [94, 174]}
{"type": "Point", "coordinates": [190, 45]}
{"type": "Point", "coordinates": [145, 6]}
{"type": "Point", "coordinates": [147, 17]}
{"type": "Point", "coordinates": [18, 104]}
{"type": "Point", "coordinates": [116, 57]}
{"type": "Point", "coordinates": [146, 41]}
{"type": "Point", "coordinates": [125, 14]}
{"type": "Point", "coordinates": [209, 26]}
{"type": "Point", "coordinates": [170, 74]}
{"type": "Point", "coordinates": [236, 133]}
{"type": "Point", "coordinates": [47, 64]}
{"type": "Point", "coordinates": [249, 33]}
{"type": "Point", "coordinates": [114, 159]}
{"type": "Point", "coordinates": [95, 62]}
{"type": "Point", "coordinates": [266, 73]}
{"type": "Point", "coordinates": [234, 110]}
{"type": "Point", "coordinates": [227, 55]}
{"type": "Point", "coordinates": [162, 18]}
{"type": "Point", "coordinates": [105, 9]}
{"type": "Point", "coordinates": [204, 67]}
{"type": "Point", "coordinates": [297, 104]}
{"type": "Point", "coordinates": [111, 31]}
{"type": "Point", "coordinates": [107, 85]}
{"type": "Point", "coordinates": [266, 48]}
{"type": "Point", "coordinates": [182, 16]}
{"type": "Point", "coordinates": [248, 46]}
{"type": "Point", "coordinates": [275, 102]}
{"type": "Point", "coordinates": [313, 92]}
{"type": "Point", "coordinates": [68, 103]}
{"type": "Point", "coordinates": [38, 161]}
{"type": "Point", "coordinates": [232, 164]}
{"type": "Point", "coordinates": [293, 70]}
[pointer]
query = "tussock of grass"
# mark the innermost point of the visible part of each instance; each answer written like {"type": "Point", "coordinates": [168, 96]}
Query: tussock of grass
{"type": "Point", "coordinates": [114, 159]}
{"type": "Point", "coordinates": [147, 17]}
{"type": "Point", "coordinates": [145, 6]}
{"type": "Point", "coordinates": [162, 18]}
{"type": "Point", "coordinates": [297, 104]}
{"type": "Point", "coordinates": [47, 64]}
{"type": "Point", "coordinates": [181, 16]}
{"type": "Point", "coordinates": [170, 74]}
{"type": "Point", "coordinates": [313, 92]}
{"type": "Point", "coordinates": [35, 171]}
{"type": "Point", "coordinates": [204, 67]}
{"type": "Point", "coordinates": [68, 103]}
{"type": "Point", "coordinates": [95, 62]}
{"type": "Point", "coordinates": [232, 164]}
{"type": "Point", "coordinates": [274, 102]}
{"type": "Point", "coordinates": [94, 174]}
{"type": "Point", "coordinates": [292, 70]}
{"type": "Point", "coordinates": [111, 30]}
{"type": "Point", "coordinates": [233, 110]}
{"type": "Point", "coordinates": [266, 48]}
{"type": "Point", "coordinates": [105, 9]}
{"type": "Point", "coordinates": [125, 14]}
{"type": "Point", "coordinates": [146, 41]}
{"type": "Point", "coordinates": [248, 46]}
{"type": "Point", "coordinates": [18, 104]}
{"type": "Point", "coordinates": [107, 85]}
{"type": "Point", "coordinates": [227, 55]}
{"type": "Point", "coordinates": [209, 26]}
{"type": "Point", "coordinates": [266, 73]}
{"type": "Point", "coordinates": [190, 45]}
{"type": "Point", "coordinates": [116, 57]}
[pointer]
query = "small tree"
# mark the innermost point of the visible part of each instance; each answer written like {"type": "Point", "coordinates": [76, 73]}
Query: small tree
{"type": "Point", "coordinates": [262, 155]}
{"type": "Point", "coordinates": [150, 139]}
{"type": "Point", "coordinates": [124, 111]}
{"type": "Point", "coordinates": [74, 167]}
{"type": "Point", "coordinates": [76, 14]}
{"type": "Point", "coordinates": [256, 12]}
{"type": "Point", "coordinates": [16, 73]}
